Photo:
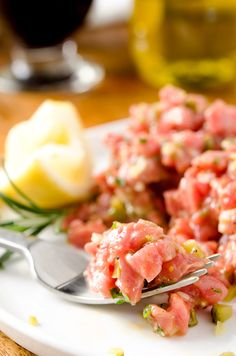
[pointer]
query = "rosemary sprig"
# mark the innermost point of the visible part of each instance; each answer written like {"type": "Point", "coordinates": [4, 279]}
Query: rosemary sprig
{"type": "Point", "coordinates": [17, 190]}
{"type": "Point", "coordinates": [31, 218]}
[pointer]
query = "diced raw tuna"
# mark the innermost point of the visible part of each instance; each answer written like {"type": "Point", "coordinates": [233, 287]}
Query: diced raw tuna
{"type": "Point", "coordinates": [227, 249]}
{"type": "Point", "coordinates": [161, 320]}
{"type": "Point", "coordinates": [204, 225]}
{"type": "Point", "coordinates": [181, 310]}
{"type": "Point", "coordinates": [80, 233]}
{"type": "Point", "coordinates": [172, 321]}
{"type": "Point", "coordinates": [115, 248]}
{"type": "Point", "coordinates": [178, 158]}
{"type": "Point", "coordinates": [142, 169]}
{"type": "Point", "coordinates": [129, 282]}
{"type": "Point", "coordinates": [129, 254]}
{"type": "Point", "coordinates": [167, 248]}
{"type": "Point", "coordinates": [180, 148]}
{"type": "Point", "coordinates": [211, 160]}
{"type": "Point", "coordinates": [228, 196]}
{"type": "Point", "coordinates": [172, 96]}
{"type": "Point", "coordinates": [100, 278]}
{"type": "Point", "coordinates": [147, 261]}
{"type": "Point", "coordinates": [197, 102]}
{"type": "Point", "coordinates": [227, 222]}
{"type": "Point", "coordinates": [193, 196]}
{"type": "Point", "coordinates": [221, 118]}
{"type": "Point", "coordinates": [138, 115]}
{"type": "Point", "coordinates": [173, 202]}
{"type": "Point", "coordinates": [179, 118]}
{"type": "Point", "coordinates": [180, 230]}
{"type": "Point", "coordinates": [180, 265]}
{"type": "Point", "coordinates": [211, 289]}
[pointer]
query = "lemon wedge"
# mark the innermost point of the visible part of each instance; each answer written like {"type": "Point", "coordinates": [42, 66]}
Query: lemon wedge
{"type": "Point", "coordinates": [47, 157]}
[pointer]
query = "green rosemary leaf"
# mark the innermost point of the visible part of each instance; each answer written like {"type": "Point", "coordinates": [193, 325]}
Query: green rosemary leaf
{"type": "Point", "coordinates": [15, 227]}
{"type": "Point", "coordinates": [31, 226]}
{"type": "Point", "coordinates": [4, 258]}
{"type": "Point", "coordinates": [34, 231]}
{"type": "Point", "coordinates": [18, 190]}
{"type": "Point", "coordinates": [15, 205]}
{"type": "Point", "coordinates": [32, 219]}
{"type": "Point", "coordinates": [37, 221]}
{"type": "Point", "coordinates": [19, 207]}
{"type": "Point", "coordinates": [6, 223]}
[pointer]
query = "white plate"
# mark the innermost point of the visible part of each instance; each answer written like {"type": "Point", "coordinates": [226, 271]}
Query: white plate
{"type": "Point", "coordinates": [78, 330]}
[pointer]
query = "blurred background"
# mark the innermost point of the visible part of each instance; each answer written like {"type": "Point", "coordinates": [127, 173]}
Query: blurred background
{"type": "Point", "coordinates": [190, 44]}
{"type": "Point", "coordinates": [137, 45]}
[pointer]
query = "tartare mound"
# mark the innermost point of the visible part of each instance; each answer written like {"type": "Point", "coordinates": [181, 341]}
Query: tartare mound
{"type": "Point", "coordinates": [129, 256]}
{"type": "Point", "coordinates": [175, 167]}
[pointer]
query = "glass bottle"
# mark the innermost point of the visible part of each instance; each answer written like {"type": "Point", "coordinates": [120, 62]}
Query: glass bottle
{"type": "Point", "coordinates": [190, 43]}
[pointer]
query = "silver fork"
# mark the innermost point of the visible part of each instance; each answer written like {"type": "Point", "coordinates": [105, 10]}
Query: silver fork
{"type": "Point", "coordinates": [60, 268]}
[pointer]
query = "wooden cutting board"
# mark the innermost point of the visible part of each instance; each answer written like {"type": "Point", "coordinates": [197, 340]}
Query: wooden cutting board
{"type": "Point", "coordinates": [10, 348]}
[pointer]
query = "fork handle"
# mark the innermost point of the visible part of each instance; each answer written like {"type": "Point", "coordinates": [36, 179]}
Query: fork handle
{"type": "Point", "coordinates": [15, 241]}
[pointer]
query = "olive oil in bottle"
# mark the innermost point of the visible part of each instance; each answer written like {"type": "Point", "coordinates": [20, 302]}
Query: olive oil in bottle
{"type": "Point", "coordinates": [189, 43]}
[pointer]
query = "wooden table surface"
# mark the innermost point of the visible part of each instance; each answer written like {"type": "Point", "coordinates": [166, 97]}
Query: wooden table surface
{"type": "Point", "coordinates": [109, 101]}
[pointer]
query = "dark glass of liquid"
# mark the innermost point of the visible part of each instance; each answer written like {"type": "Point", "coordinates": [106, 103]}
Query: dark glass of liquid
{"type": "Point", "coordinates": [44, 23]}
{"type": "Point", "coordinates": [42, 55]}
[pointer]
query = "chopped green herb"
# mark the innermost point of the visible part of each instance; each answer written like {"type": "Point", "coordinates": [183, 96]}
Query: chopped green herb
{"type": "Point", "coordinates": [117, 209]}
{"type": "Point", "coordinates": [4, 258]}
{"type": "Point", "coordinates": [142, 140]}
{"type": "Point", "coordinates": [159, 331]}
{"type": "Point", "coordinates": [216, 161]}
{"type": "Point", "coordinates": [163, 284]}
{"type": "Point", "coordinates": [190, 104]}
{"type": "Point", "coordinates": [147, 311]}
{"type": "Point", "coordinates": [149, 238]}
{"type": "Point", "coordinates": [216, 290]}
{"type": "Point", "coordinates": [120, 301]}
{"type": "Point", "coordinates": [208, 143]}
{"type": "Point", "coordinates": [115, 224]}
{"type": "Point", "coordinates": [126, 298]}
{"type": "Point", "coordinates": [116, 294]}
{"type": "Point", "coordinates": [119, 182]}
{"type": "Point", "coordinates": [204, 213]}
